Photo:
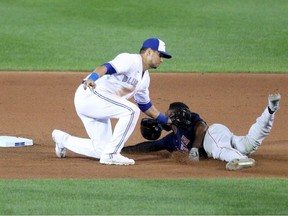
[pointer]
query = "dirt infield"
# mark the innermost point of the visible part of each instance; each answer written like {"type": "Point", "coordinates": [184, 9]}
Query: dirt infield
{"type": "Point", "coordinates": [32, 104]}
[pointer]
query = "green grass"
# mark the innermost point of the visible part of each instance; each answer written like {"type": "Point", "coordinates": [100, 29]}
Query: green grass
{"type": "Point", "coordinates": [144, 197]}
{"type": "Point", "coordinates": [205, 36]}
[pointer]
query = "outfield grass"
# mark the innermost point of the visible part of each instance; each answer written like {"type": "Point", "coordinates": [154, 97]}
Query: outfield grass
{"type": "Point", "coordinates": [206, 35]}
{"type": "Point", "coordinates": [144, 197]}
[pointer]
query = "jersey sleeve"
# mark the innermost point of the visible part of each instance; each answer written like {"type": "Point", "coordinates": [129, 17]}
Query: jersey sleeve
{"type": "Point", "coordinates": [122, 63]}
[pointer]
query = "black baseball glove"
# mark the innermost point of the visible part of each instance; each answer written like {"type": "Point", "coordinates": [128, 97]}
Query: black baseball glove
{"type": "Point", "coordinates": [150, 129]}
{"type": "Point", "coordinates": [181, 118]}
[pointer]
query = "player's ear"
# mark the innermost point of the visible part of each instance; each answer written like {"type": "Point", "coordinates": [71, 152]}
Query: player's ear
{"type": "Point", "coordinates": [149, 51]}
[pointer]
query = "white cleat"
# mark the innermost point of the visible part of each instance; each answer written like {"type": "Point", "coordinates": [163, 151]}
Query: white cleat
{"type": "Point", "coordinates": [238, 164]}
{"type": "Point", "coordinates": [116, 159]}
{"type": "Point", "coordinates": [58, 137]}
{"type": "Point", "coordinates": [274, 102]}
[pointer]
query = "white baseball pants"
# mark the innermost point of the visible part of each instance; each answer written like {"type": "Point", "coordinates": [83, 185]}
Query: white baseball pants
{"type": "Point", "coordinates": [95, 109]}
{"type": "Point", "coordinates": [220, 143]}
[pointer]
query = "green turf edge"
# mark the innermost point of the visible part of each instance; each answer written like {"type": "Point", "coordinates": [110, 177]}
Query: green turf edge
{"type": "Point", "coordinates": [144, 197]}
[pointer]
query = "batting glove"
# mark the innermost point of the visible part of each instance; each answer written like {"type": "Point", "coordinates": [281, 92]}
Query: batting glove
{"type": "Point", "coordinates": [194, 154]}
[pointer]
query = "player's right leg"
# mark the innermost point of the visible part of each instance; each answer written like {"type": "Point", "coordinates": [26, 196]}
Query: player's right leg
{"type": "Point", "coordinates": [127, 114]}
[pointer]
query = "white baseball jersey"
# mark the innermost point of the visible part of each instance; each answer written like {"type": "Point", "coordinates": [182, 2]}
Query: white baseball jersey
{"type": "Point", "coordinates": [128, 79]}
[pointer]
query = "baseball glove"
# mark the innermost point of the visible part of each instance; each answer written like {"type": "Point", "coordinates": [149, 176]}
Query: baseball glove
{"type": "Point", "coordinates": [150, 129]}
{"type": "Point", "coordinates": [181, 118]}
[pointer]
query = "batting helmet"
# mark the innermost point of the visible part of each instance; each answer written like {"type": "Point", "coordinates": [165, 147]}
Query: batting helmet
{"type": "Point", "coordinates": [150, 129]}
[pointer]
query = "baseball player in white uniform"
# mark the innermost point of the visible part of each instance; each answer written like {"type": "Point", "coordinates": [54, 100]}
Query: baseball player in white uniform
{"type": "Point", "coordinates": [104, 94]}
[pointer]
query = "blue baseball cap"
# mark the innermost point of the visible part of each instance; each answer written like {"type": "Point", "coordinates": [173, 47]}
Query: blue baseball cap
{"type": "Point", "coordinates": [157, 45]}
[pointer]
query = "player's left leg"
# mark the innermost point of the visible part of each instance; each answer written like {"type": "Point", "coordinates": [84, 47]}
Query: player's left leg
{"type": "Point", "coordinates": [260, 129]}
{"type": "Point", "coordinates": [83, 146]}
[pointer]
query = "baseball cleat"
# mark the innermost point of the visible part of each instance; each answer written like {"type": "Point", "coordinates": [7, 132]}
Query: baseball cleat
{"type": "Point", "coordinates": [274, 102]}
{"type": "Point", "coordinates": [116, 159]}
{"type": "Point", "coordinates": [58, 137]}
{"type": "Point", "coordinates": [238, 164]}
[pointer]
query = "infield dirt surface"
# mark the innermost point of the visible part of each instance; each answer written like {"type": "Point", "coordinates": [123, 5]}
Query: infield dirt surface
{"type": "Point", "coordinates": [32, 104]}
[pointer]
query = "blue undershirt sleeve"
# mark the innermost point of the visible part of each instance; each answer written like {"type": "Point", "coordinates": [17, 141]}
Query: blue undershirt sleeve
{"type": "Point", "coordinates": [110, 69]}
{"type": "Point", "coordinates": [94, 76]}
{"type": "Point", "coordinates": [144, 107]}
